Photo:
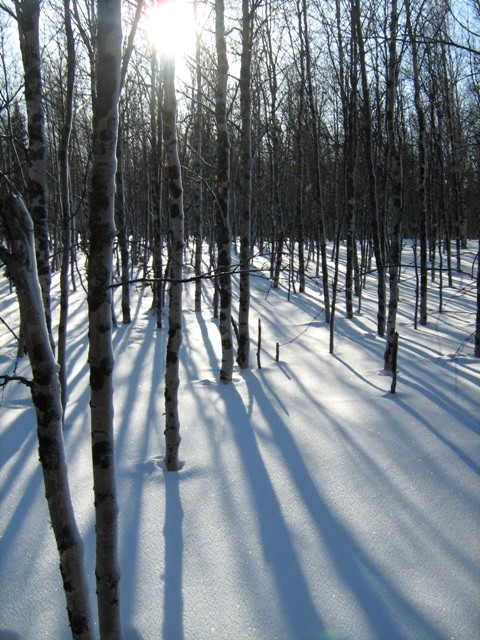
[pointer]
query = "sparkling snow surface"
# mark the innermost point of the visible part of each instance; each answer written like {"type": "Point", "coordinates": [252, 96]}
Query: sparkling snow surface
{"type": "Point", "coordinates": [312, 504]}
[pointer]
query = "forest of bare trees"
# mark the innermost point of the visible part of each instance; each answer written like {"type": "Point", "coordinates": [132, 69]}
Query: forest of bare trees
{"type": "Point", "coordinates": [292, 129]}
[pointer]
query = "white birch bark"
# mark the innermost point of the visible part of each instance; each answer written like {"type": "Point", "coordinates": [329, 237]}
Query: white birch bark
{"type": "Point", "coordinates": [21, 267]}
{"type": "Point", "coordinates": [174, 176]}
{"type": "Point", "coordinates": [102, 232]}
{"type": "Point", "coordinates": [28, 15]}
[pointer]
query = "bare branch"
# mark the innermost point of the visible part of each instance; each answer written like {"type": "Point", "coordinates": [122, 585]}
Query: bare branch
{"type": "Point", "coordinates": [4, 380]}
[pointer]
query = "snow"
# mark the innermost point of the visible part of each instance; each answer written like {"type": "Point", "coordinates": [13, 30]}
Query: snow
{"type": "Point", "coordinates": [312, 504]}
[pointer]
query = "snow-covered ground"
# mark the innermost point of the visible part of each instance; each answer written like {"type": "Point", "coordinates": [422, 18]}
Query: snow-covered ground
{"type": "Point", "coordinates": [312, 503]}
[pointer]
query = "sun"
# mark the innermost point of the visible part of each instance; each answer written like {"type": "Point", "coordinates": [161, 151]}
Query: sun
{"type": "Point", "coordinates": [170, 26]}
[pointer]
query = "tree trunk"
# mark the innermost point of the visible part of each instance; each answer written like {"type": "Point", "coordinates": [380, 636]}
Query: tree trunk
{"type": "Point", "coordinates": [395, 193]}
{"type": "Point", "coordinates": [246, 186]}
{"type": "Point", "coordinates": [198, 166]}
{"type": "Point", "coordinates": [174, 175]}
{"type": "Point", "coordinates": [122, 230]}
{"type": "Point", "coordinates": [102, 233]}
{"type": "Point", "coordinates": [121, 217]}
{"type": "Point", "coordinates": [351, 144]}
{"type": "Point", "coordinates": [318, 172]}
{"type": "Point", "coordinates": [28, 15]}
{"type": "Point", "coordinates": [298, 225]}
{"type": "Point", "coordinates": [222, 197]}
{"type": "Point", "coordinates": [66, 208]}
{"type": "Point", "coordinates": [21, 267]}
{"type": "Point", "coordinates": [156, 185]}
{"type": "Point", "coordinates": [477, 324]}
{"type": "Point", "coordinates": [372, 179]}
{"type": "Point", "coordinates": [422, 170]}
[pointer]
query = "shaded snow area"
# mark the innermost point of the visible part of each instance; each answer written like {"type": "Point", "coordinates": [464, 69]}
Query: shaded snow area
{"type": "Point", "coordinates": [312, 504]}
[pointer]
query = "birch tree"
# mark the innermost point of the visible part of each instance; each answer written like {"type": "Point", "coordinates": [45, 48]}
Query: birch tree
{"type": "Point", "coordinates": [28, 16]}
{"type": "Point", "coordinates": [102, 233]}
{"type": "Point", "coordinates": [351, 146]}
{"type": "Point", "coordinates": [174, 176]}
{"type": "Point", "coordinates": [477, 323]}
{"type": "Point", "coordinates": [45, 388]}
{"type": "Point", "coordinates": [394, 191]}
{"type": "Point", "coordinates": [372, 175]}
{"type": "Point", "coordinates": [156, 181]}
{"type": "Point", "coordinates": [64, 161]}
{"type": "Point", "coordinates": [198, 162]}
{"type": "Point", "coordinates": [119, 195]}
{"type": "Point", "coordinates": [300, 139]}
{"type": "Point", "coordinates": [422, 165]}
{"type": "Point", "coordinates": [248, 12]}
{"type": "Point", "coordinates": [222, 196]}
{"type": "Point", "coordinates": [318, 172]}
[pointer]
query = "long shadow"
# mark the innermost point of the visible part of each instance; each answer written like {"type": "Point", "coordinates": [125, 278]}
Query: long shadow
{"type": "Point", "coordinates": [207, 342]}
{"type": "Point", "coordinates": [19, 439]}
{"type": "Point", "coordinates": [358, 375]}
{"type": "Point", "coordinates": [475, 467]}
{"type": "Point", "coordinates": [173, 566]}
{"type": "Point", "coordinates": [80, 347]}
{"type": "Point", "coordinates": [464, 368]}
{"type": "Point", "coordinates": [5, 634]}
{"type": "Point", "coordinates": [25, 505]}
{"type": "Point", "coordinates": [150, 336]}
{"type": "Point", "coordinates": [298, 607]}
{"type": "Point", "coordinates": [143, 430]}
{"type": "Point", "coordinates": [375, 593]}
{"type": "Point", "coordinates": [375, 476]}
{"type": "Point", "coordinates": [438, 398]}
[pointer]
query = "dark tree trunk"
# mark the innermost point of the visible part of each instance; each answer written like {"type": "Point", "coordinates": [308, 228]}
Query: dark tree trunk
{"type": "Point", "coordinates": [372, 180]}
{"type": "Point", "coordinates": [246, 186]}
{"type": "Point", "coordinates": [222, 197]}
{"type": "Point", "coordinates": [66, 206]}
{"type": "Point", "coordinates": [395, 193]}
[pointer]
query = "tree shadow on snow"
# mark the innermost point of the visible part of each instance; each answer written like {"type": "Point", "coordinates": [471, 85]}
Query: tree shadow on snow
{"type": "Point", "coordinates": [173, 564]}
{"type": "Point", "coordinates": [381, 602]}
{"type": "Point", "coordinates": [293, 591]}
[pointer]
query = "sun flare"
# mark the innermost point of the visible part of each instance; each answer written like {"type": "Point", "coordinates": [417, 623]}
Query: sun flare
{"type": "Point", "coordinates": [171, 26]}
